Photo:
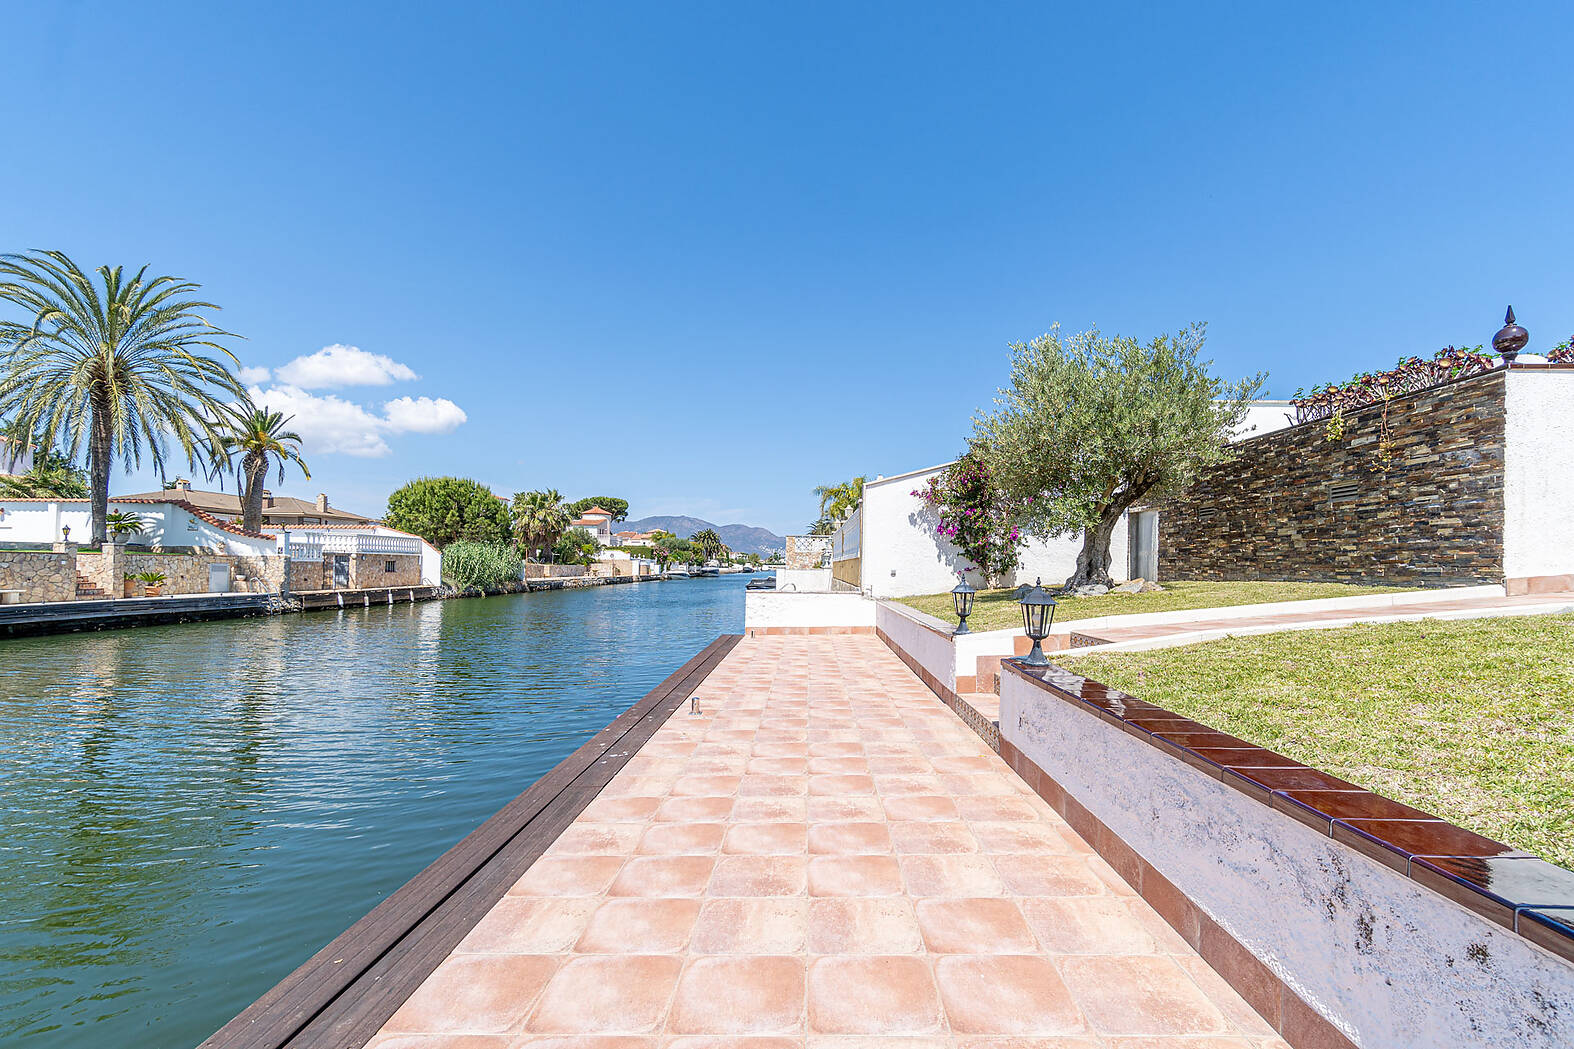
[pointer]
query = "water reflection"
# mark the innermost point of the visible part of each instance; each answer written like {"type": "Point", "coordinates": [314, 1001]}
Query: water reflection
{"type": "Point", "coordinates": [190, 811]}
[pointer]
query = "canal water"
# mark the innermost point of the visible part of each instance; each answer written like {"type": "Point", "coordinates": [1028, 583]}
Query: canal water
{"type": "Point", "coordinates": [191, 811]}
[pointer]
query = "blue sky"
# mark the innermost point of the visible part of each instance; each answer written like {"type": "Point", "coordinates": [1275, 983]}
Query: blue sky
{"type": "Point", "coordinates": [709, 256]}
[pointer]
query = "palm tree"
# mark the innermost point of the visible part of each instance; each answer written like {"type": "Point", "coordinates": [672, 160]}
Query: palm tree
{"type": "Point", "coordinates": [258, 436]}
{"type": "Point", "coordinates": [114, 365]}
{"type": "Point", "coordinates": [540, 518]}
{"type": "Point", "coordinates": [709, 542]}
{"type": "Point", "coordinates": [838, 501]}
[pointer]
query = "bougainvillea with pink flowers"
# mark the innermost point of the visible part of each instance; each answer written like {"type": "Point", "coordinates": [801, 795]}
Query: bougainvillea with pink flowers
{"type": "Point", "coordinates": [974, 516]}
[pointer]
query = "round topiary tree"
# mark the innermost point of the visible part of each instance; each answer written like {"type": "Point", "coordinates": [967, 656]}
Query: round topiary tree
{"type": "Point", "coordinates": [444, 510]}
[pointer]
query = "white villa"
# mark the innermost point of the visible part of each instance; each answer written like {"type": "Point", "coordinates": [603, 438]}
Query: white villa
{"type": "Point", "coordinates": [598, 523]}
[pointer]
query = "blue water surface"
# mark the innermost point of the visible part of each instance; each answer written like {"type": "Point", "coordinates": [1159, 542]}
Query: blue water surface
{"type": "Point", "coordinates": [189, 812]}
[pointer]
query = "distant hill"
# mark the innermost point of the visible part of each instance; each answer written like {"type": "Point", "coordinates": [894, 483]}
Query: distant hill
{"type": "Point", "coordinates": [744, 539]}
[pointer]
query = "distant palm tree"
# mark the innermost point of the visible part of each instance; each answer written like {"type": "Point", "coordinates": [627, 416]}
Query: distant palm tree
{"type": "Point", "coordinates": [258, 436]}
{"type": "Point", "coordinates": [540, 518]}
{"type": "Point", "coordinates": [114, 365]}
{"type": "Point", "coordinates": [838, 501]}
{"type": "Point", "coordinates": [709, 542]}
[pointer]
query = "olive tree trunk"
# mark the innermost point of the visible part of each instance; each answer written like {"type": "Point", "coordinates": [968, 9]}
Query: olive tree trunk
{"type": "Point", "coordinates": [1093, 560]}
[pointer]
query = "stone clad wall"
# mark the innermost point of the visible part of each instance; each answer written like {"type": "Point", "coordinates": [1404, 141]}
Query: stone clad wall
{"type": "Point", "coordinates": [40, 575]}
{"type": "Point", "coordinates": [807, 551]}
{"type": "Point", "coordinates": [1432, 517]}
{"type": "Point", "coordinates": [184, 573]}
{"type": "Point", "coordinates": [369, 571]}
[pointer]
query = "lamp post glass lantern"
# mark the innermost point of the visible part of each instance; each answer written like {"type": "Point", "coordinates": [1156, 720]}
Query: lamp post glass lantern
{"type": "Point", "coordinates": [1038, 615]}
{"type": "Point", "coordinates": [962, 602]}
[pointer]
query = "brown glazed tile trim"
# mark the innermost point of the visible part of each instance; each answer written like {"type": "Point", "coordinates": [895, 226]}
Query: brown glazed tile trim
{"type": "Point", "coordinates": [1549, 927]}
{"type": "Point", "coordinates": [1377, 827]}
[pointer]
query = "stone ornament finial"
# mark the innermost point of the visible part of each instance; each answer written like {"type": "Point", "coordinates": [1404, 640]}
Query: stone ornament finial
{"type": "Point", "coordinates": [1510, 339]}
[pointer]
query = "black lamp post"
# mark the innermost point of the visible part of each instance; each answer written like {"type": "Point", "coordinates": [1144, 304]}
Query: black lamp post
{"type": "Point", "coordinates": [1038, 615]}
{"type": "Point", "coordinates": [962, 601]}
{"type": "Point", "coordinates": [1510, 338]}
{"type": "Point", "coordinates": [65, 533]}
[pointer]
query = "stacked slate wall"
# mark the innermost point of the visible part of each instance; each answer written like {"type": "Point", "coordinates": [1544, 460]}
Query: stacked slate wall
{"type": "Point", "coordinates": [1410, 493]}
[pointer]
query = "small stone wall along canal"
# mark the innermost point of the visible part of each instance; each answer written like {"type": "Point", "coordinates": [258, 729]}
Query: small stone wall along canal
{"type": "Point", "coordinates": [188, 812]}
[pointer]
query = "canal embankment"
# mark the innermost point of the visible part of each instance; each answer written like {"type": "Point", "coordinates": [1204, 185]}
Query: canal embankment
{"type": "Point", "coordinates": [67, 617]}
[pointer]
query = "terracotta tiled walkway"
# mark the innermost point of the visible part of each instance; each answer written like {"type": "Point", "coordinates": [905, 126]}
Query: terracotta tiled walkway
{"type": "Point", "coordinates": [827, 857]}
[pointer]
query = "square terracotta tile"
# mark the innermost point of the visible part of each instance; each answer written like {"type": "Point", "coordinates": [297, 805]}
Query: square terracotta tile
{"type": "Point", "coordinates": [682, 839]}
{"type": "Point", "coordinates": [1101, 925]}
{"type": "Point", "coordinates": [1007, 994]}
{"type": "Point", "coordinates": [771, 810]}
{"type": "Point", "coordinates": [866, 925]}
{"type": "Point", "coordinates": [1028, 875]}
{"type": "Point", "coordinates": [1039, 838]}
{"type": "Point", "coordinates": [926, 807]}
{"type": "Point", "coordinates": [639, 926]}
{"type": "Point", "coordinates": [857, 809]}
{"type": "Point", "coordinates": [849, 838]}
{"type": "Point", "coordinates": [1140, 995]}
{"type": "Point", "coordinates": [605, 809]}
{"type": "Point", "coordinates": [985, 925]}
{"type": "Point", "coordinates": [752, 786]}
{"type": "Point", "coordinates": [530, 925]}
{"type": "Point", "coordinates": [759, 876]}
{"type": "Point", "coordinates": [752, 925]}
{"type": "Point", "coordinates": [855, 876]}
{"type": "Point", "coordinates": [663, 876]}
{"type": "Point", "coordinates": [740, 996]}
{"type": "Point", "coordinates": [706, 786]}
{"type": "Point", "coordinates": [597, 839]}
{"type": "Point", "coordinates": [698, 809]}
{"type": "Point", "coordinates": [568, 876]}
{"type": "Point", "coordinates": [859, 994]}
{"type": "Point", "coordinates": [917, 838]}
{"type": "Point", "coordinates": [767, 839]}
{"type": "Point", "coordinates": [477, 993]}
{"type": "Point", "coordinates": [966, 876]}
{"type": "Point", "coordinates": [607, 994]}
{"type": "Point", "coordinates": [841, 786]}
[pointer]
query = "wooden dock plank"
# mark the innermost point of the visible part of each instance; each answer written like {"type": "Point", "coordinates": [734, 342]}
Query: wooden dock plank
{"type": "Point", "coordinates": [341, 995]}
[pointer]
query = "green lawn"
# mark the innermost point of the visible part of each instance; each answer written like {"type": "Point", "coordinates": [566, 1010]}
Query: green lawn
{"type": "Point", "coordinates": [997, 609]}
{"type": "Point", "coordinates": [1468, 720]}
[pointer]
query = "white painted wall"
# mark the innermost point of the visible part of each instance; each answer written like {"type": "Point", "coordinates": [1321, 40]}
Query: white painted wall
{"type": "Point", "coordinates": [165, 525]}
{"type": "Point", "coordinates": [1387, 961]}
{"type": "Point", "coordinates": [766, 608]}
{"type": "Point", "coordinates": [1538, 468]}
{"type": "Point", "coordinates": [903, 555]}
{"type": "Point", "coordinates": [1263, 417]}
{"type": "Point", "coordinates": [924, 638]}
{"type": "Point", "coordinates": [804, 580]}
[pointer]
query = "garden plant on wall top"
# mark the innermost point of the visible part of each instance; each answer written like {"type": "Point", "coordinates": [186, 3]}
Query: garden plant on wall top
{"type": "Point", "coordinates": [1091, 425]}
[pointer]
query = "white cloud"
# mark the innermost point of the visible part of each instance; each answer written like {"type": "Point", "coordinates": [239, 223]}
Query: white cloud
{"type": "Point", "coordinates": [423, 414]}
{"type": "Point", "coordinates": [328, 423]}
{"type": "Point", "coordinates": [336, 365]}
{"type": "Point", "coordinates": [252, 376]}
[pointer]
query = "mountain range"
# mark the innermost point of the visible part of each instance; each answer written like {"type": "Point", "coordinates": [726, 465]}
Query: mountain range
{"type": "Point", "coordinates": [741, 538]}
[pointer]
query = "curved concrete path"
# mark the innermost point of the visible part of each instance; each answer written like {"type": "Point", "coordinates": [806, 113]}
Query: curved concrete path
{"type": "Point", "coordinates": [824, 856]}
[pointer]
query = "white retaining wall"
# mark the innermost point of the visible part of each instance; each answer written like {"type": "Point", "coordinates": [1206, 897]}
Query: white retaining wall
{"type": "Point", "coordinates": [1389, 962]}
{"type": "Point", "coordinates": [772, 608]}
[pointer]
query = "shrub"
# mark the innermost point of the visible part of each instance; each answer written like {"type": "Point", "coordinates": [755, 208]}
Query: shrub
{"type": "Point", "coordinates": [470, 565]}
{"type": "Point", "coordinates": [445, 510]}
{"type": "Point", "coordinates": [974, 516]}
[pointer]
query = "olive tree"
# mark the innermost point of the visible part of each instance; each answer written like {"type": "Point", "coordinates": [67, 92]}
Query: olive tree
{"type": "Point", "coordinates": [1091, 425]}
